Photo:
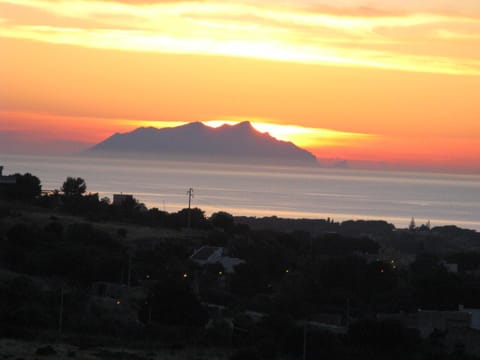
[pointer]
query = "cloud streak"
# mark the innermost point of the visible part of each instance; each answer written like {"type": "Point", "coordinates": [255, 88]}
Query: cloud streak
{"type": "Point", "coordinates": [324, 36]}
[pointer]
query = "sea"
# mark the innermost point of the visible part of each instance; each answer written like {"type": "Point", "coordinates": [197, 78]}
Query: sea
{"type": "Point", "coordinates": [291, 192]}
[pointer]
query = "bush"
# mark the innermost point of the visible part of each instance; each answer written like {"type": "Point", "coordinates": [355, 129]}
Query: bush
{"type": "Point", "coordinates": [245, 354]}
{"type": "Point", "coordinates": [219, 333]}
{"type": "Point", "coordinates": [45, 351]}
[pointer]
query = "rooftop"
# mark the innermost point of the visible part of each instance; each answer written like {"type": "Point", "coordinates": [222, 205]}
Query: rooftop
{"type": "Point", "coordinates": [205, 252]}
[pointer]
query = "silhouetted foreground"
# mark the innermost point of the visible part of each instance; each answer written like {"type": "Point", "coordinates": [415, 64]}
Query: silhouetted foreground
{"type": "Point", "coordinates": [93, 274]}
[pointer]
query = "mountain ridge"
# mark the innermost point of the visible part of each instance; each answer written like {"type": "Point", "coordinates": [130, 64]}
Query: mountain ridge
{"type": "Point", "coordinates": [239, 142]}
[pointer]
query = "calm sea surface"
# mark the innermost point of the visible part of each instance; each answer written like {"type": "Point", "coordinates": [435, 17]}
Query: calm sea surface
{"type": "Point", "coordinates": [286, 192]}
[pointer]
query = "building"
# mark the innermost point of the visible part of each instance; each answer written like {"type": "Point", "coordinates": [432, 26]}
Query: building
{"type": "Point", "coordinates": [215, 255]}
{"type": "Point", "coordinates": [475, 313]}
{"type": "Point", "coordinates": [7, 180]}
{"type": "Point", "coordinates": [451, 268]}
{"type": "Point", "coordinates": [120, 199]}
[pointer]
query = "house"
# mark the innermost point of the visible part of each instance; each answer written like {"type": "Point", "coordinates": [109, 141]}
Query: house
{"type": "Point", "coordinates": [207, 255]}
{"type": "Point", "coordinates": [215, 255]}
{"type": "Point", "coordinates": [475, 313]}
{"type": "Point", "coordinates": [7, 180]}
{"type": "Point", "coordinates": [218, 280]}
{"type": "Point", "coordinates": [451, 268]}
{"type": "Point", "coordinates": [120, 199]}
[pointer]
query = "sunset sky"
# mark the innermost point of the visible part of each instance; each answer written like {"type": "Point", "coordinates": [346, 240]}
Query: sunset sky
{"type": "Point", "coordinates": [391, 81]}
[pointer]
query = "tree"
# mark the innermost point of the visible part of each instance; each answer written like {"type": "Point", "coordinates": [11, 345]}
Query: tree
{"type": "Point", "coordinates": [180, 219]}
{"type": "Point", "coordinates": [383, 337]}
{"type": "Point", "coordinates": [412, 226]}
{"type": "Point", "coordinates": [74, 187]}
{"type": "Point", "coordinates": [222, 220]}
{"type": "Point", "coordinates": [172, 302]}
{"type": "Point", "coordinates": [19, 240]}
{"type": "Point", "coordinates": [26, 188]}
{"type": "Point", "coordinates": [22, 304]}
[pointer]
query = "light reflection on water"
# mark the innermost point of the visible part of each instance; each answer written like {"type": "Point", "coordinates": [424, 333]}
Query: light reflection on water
{"type": "Point", "coordinates": [264, 191]}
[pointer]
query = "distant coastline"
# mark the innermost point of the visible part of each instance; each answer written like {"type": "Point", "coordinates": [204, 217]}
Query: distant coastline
{"type": "Point", "coordinates": [299, 192]}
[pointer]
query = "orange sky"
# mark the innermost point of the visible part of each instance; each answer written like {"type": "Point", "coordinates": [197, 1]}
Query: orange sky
{"type": "Point", "coordinates": [393, 81]}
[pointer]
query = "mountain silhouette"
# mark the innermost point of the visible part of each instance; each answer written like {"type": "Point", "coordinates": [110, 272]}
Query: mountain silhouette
{"type": "Point", "coordinates": [237, 143]}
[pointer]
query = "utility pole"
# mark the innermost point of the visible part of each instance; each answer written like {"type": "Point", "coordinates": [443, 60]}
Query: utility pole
{"type": "Point", "coordinates": [304, 357]}
{"type": "Point", "coordinates": [60, 313]}
{"type": "Point", "coordinates": [347, 315]}
{"type": "Point", "coordinates": [129, 269]}
{"type": "Point", "coordinates": [189, 217]}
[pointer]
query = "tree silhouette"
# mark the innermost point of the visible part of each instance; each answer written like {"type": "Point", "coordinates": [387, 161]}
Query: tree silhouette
{"type": "Point", "coordinates": [74, 187]}
{"type": "Point", "coordinates": [172, 302]}
{"type": "Point", "coordinates": [412, 226]}
{"type": "Point", "coordinates": [26, 188]}
{"type": "Point", "coordinates": [222, 220]}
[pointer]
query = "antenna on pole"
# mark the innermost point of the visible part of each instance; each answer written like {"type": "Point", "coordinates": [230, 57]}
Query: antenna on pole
{"type": "Point", "coordinates": [190, 196]}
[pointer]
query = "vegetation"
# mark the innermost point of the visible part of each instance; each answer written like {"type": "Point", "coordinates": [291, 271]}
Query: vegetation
{"type": "Point", "coordinates": [27, 188]}
{"type": "Point", "coordinates": [112, 282]}
{"type": "Point", "coordinates": [74, 187]}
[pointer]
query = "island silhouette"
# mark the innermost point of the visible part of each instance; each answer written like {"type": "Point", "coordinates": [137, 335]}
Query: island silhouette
{"type": "Point", "coordinates": [240, 143]}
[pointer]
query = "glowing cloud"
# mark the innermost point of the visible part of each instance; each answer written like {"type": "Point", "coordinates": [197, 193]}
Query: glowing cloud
{"type": "Point", "coordinates": [250, 29]}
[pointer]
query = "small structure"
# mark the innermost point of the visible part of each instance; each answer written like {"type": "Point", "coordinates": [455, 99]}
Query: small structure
{"type": "Point", "coordinates": [207, 255]}
{"type": "Point", "coordinates": [119, 292]}
{"type": "Point", "coordinates": [215, 255]}
{"type": "Point", "coordinates": [475, 313]}
{"type": "Point", "coordinates": [7, 180]}
{"type": "Point", "coordinates": [120, 199]}
{"type": "Point", "coordinates": [451, 268]}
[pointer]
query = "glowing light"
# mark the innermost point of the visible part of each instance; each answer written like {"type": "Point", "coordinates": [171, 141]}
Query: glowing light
{"type": "Point", "coordinates": [299, 135]}
{"type": "Point", "coordinates": [81, 128]}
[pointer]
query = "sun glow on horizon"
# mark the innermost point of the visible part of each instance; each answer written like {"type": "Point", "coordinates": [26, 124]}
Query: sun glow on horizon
{"type": "Point", "coordinates": [365, 80]}
{"type": "Point", "coordinates": [302, 136]}
{"type": "Point", "coordinates": [29, 128]}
